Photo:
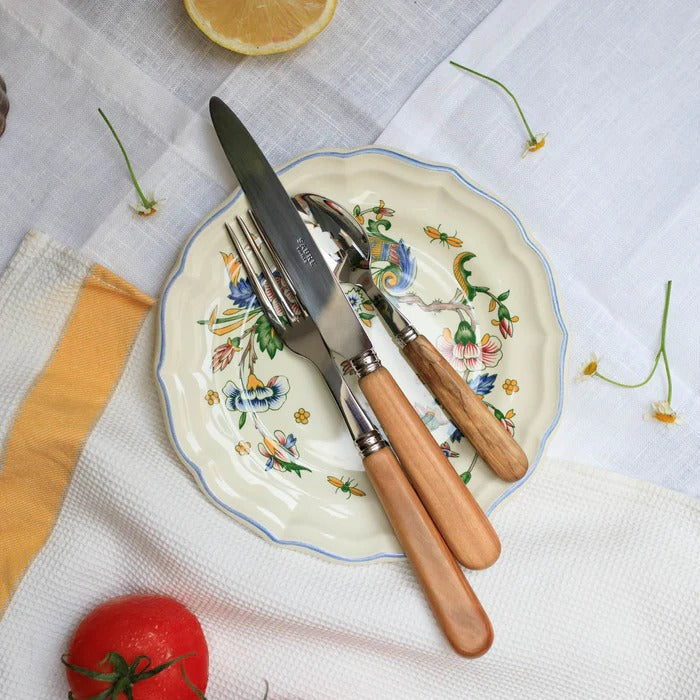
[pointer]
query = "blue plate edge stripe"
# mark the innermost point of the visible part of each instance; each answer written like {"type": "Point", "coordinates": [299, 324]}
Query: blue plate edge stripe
{"type": "Point", "coordinates": [378, 150]}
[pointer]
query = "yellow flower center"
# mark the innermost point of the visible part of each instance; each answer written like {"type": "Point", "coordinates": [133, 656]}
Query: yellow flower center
{"type": "Point", "coordinates": [536, 146]}
{"type": "Point", "coordinates": [665, 417]}
{"type": "Point", "coordinates": [254, 382]}
{"type": "Point", "coordinates": [590, 368]}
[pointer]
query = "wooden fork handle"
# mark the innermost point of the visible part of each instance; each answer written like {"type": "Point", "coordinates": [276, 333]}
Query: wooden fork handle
{"type": "Point", "coordinates": [459, 518]}
{"type": "Point", "coordinates": [467, 410]}
{"type": "Point", "coordinates": [455, 605]}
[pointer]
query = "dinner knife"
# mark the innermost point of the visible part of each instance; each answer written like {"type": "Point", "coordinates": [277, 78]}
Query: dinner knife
{"type": "Point", "coordinates": [459, 518]}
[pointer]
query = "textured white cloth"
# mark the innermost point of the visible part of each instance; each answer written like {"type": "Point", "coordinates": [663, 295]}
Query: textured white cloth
{"type": "Point", "coordinates": [595, 595]}
{"type": "Point", "coordinates": [613, 198]}
{"type": "Point", "coordinates": [145, 63]}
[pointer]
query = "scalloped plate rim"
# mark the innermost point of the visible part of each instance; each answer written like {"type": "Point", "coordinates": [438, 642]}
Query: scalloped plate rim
{"type": "Point", "coordinates": [227, 204]}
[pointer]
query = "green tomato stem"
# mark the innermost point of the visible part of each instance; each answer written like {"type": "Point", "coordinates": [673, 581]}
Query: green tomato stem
{"type": "Point", "coordinates": [147, 203]}
{"type": "Point", "coordinates": [533, 140]}
{"type": "Point", "coordinates": [191, 685]}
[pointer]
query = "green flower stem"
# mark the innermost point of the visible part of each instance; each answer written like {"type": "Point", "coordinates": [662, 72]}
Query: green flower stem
{"type": "Point", "coordinates": [228, 319]}
{"type": "Point", "coordinates": [631, 386]}
{"type": "Point", "coordinates": [661, 353]}
{"type": "Point", "coordinates": [533, 140]}
{"type": "Point", "coordinates": [490, 294]}
{"type": "Point", "coordinates": [147, 203]}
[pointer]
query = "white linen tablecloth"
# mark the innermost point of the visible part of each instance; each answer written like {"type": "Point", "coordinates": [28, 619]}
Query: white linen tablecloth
{"type": "Point", "coordinates": [613, 199]}
{"type": "Point", "coordinates": [153, 71]}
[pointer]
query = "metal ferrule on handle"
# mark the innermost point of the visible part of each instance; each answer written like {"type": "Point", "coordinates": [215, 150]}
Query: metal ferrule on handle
{"type": "Point", "coordinates": [366, 363]}
{"type": "Point", "coordinates": [406, 336]}
{"type": "Point", "coordinates": [370, 442]}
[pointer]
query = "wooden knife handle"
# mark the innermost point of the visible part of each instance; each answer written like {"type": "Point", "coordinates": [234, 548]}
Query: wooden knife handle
{"type": "Point", "coordinates": [459, 518]}
{"type": "Point", "coordinates": [467, 410]}
{"type": "Point", "coordinates": [455, 605]}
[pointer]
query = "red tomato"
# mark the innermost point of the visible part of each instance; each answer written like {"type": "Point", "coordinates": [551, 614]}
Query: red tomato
{"type": "Point", "coordinates": [155, 626]}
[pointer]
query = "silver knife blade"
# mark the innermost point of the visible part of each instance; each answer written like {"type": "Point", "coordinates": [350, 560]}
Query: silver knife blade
{"type": "Point", "coordinates": [317, 288]}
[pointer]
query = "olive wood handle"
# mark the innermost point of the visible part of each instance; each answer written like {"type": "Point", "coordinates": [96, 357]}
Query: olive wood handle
{"type": "Point", "coordinates": [468, 412]}
{"type": "Point", "coordinates": [459, 518]}
{"type": "Point", "coordinates": [455, 605]}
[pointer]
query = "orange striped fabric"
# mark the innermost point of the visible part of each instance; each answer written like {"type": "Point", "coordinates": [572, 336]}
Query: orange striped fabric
{"type": "Point", "coordinates": [44, 444]}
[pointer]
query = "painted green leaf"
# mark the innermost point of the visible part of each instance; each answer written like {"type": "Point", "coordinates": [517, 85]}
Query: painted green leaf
{"type": "Point", "coordinates": [292, 467]}
{"type": "Point", "coordinates": [356, 211]}
{"type": "Point", "coordinates": [471, 290]}
{"type": "Point", "coordinates": [464, 333]}
{"type": "Point", "coordinates": [503, 312]}
{"type": "Point", "coordinates": [241, 420]}
{"type": "Point", "coordinates": [268, 340]}
{"type": "Point", "coordinates": [373, 226]}
{"type": "Point", "coordinates": [465, 477]}
{"type": "Point", "coordinates": [504, 296]}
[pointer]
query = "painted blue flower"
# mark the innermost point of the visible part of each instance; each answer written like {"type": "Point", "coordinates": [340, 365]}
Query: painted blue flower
{"type": "Point", "coordinates": [483, 384]}
{"type": "Point", "coordinates": [242, 295]}
{"type": "Point", "coordinates": [279, 451]}
{"type": "Point", "coordinates": [355, 298]}
{"type": "Point", "coordinates": [256, 397]}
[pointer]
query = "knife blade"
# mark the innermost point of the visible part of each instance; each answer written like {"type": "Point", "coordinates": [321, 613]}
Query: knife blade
{"type": "Point", "coordinates": [323, 297]}
{"type": "Point", "coordinates": [457, 515]}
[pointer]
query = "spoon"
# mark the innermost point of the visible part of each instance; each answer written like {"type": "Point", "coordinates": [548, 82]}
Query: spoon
{"type": "Point", "coordinates": [466, 409]}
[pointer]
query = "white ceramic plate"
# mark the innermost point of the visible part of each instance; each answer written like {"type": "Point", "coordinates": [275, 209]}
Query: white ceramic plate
{"type": "Point", "coordinates": [256, 424]}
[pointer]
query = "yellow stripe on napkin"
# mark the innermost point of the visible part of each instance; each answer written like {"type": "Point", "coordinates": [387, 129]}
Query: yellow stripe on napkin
{"type": "Point", "coordinates": [50, 429]}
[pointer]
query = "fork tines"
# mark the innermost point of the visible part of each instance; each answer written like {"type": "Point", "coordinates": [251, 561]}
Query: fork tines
{"type": "Point", "coordinates": [281, 289]}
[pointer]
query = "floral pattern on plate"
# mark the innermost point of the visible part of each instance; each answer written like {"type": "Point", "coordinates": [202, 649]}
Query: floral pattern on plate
{"type": "Point", "coordinates": [459, 265]}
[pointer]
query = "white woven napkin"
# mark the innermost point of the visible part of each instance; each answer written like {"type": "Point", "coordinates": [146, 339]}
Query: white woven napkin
{"type": "Point", "coordinates": [595, 594]}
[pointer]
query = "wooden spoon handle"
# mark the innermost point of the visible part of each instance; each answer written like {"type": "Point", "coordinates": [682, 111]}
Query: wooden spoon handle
{"type": "Point", "coordinates": [455, 605]}
{"type": "Point", "coordinates": [468, 412]}
{"type": "Point", "coordinates": [459, 518]}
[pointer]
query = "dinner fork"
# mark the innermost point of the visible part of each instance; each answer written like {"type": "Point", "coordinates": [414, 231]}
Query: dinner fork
{"type": "Point", "coordinates": [455, 605]}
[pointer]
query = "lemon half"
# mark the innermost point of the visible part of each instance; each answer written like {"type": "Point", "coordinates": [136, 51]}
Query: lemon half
{"type": "Point", "coordinates": [261, 26]}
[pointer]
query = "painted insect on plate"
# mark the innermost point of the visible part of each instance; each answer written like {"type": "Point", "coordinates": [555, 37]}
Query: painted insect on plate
{"type": "Point", "coordinates": [435, 234]}
{"type": "Point", "coordinates": [346, 486]}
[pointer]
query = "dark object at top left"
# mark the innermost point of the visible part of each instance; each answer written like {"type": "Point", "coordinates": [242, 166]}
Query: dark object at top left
{"type": "Point", "coordinates": [4, 105]}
